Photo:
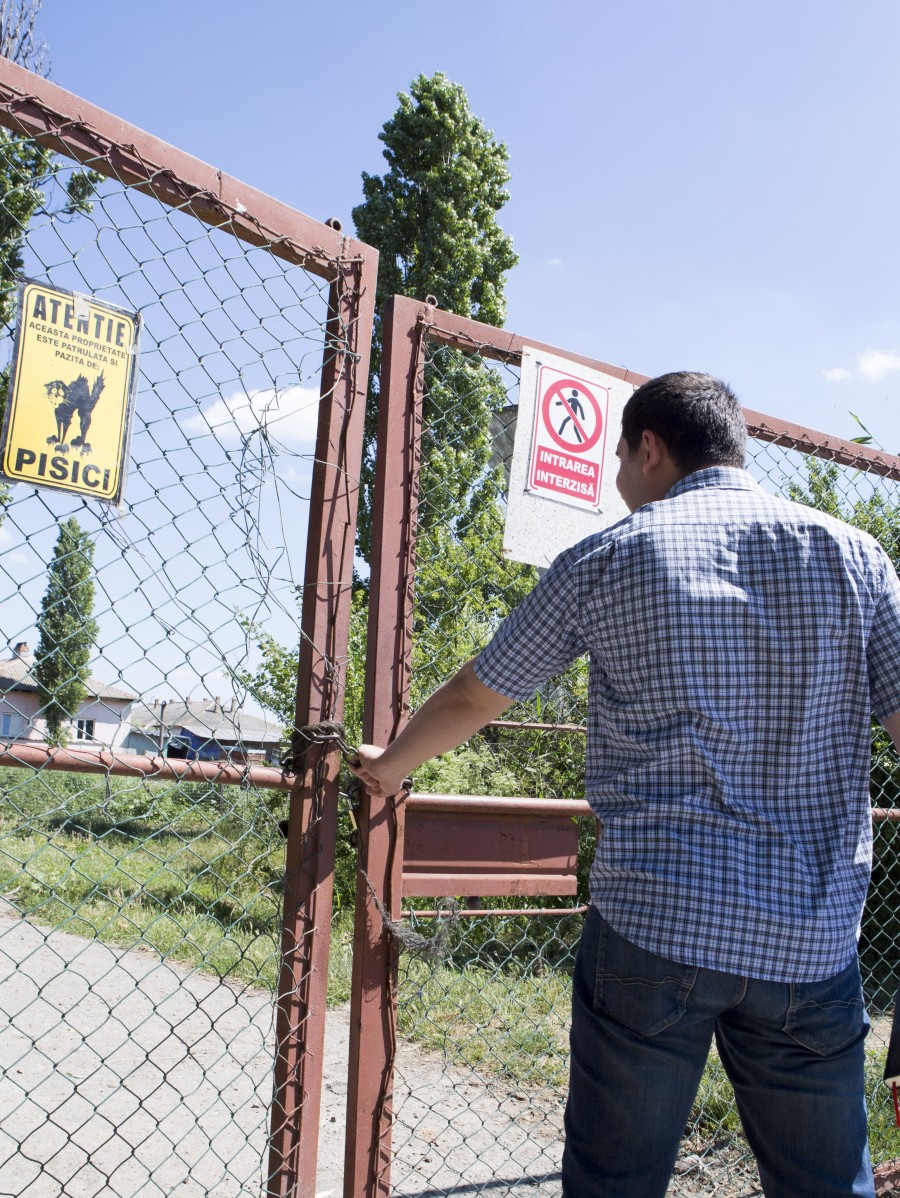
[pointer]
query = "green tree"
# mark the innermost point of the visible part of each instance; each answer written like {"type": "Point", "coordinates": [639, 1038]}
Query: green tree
{"type": "Point", "coordinates": [433, 218]}
{"type": "Point", "coordinates": [26, 170]}
{"type": "Point", "coordinates": [67, 630]}
{"type": "Point", "coordinates": [273, 684]}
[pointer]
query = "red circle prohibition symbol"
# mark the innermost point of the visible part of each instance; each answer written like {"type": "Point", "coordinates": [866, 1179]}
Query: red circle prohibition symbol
{"type": "Point", "coordinates": [555, 391]}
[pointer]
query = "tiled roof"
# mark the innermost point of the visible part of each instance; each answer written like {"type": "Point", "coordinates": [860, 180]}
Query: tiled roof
{"type": "Point", "coordinates": [17, 674]}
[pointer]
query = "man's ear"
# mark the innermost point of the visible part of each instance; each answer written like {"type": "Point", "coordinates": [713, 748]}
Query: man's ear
{"type": "Point", "coordinates": [652, 451]}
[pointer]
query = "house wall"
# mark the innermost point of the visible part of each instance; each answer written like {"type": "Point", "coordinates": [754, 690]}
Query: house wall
{"type": "Point", "coordinates": [25, 724]}
{"type": "Point", "coordinates": [110, 730]}
{"type": "Point", "coordinates": [20, 707]}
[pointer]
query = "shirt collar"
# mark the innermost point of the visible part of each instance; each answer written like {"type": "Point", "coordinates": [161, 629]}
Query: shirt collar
{"type": "Point", "coordinates": [729, 478]}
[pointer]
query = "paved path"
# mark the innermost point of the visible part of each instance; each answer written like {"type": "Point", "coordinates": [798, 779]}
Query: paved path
{"type": "Point", "coordinates": [124, 1076]}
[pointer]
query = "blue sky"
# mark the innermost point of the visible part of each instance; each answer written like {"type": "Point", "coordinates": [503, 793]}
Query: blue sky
{"type": "Point", "coordinates": [694, 185]}
{"type": "Point", "coordinates": [703, 184]}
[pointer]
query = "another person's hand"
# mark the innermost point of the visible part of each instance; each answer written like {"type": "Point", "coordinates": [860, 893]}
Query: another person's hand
{"type": "Point", "coordinates": [377, 775]}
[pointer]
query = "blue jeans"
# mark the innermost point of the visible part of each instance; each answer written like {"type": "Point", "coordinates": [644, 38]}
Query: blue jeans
{"type": "Point", "coordinates": [642, 1027]}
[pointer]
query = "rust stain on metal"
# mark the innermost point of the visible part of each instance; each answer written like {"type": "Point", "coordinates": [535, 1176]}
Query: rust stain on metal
{"type": "Point", "coordinates": [325, 621]}
{"type": "Point", "coordinates": [503, 912]}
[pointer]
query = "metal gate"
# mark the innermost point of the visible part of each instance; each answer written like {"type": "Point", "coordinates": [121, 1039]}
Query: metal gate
{"type": "Point", "coordinates": [494, 1014]}
{"type": "Point", "coordinates": [161, 943]}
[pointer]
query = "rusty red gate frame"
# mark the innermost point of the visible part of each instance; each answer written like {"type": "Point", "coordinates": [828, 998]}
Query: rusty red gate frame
{"type": "Point", "coordinates": [34, 107]}
{"type": "Point", "coordinates": [408, 325]}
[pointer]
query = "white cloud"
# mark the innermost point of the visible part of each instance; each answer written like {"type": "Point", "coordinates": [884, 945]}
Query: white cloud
{"type": "Point", "coordinates": [875, 364]}
{"type": "Point", "coordinates": [290, 415]}
{"type": "Point", "coordinates": [554, 261]}
{"type": "Point", "coordinates": [836, 374]}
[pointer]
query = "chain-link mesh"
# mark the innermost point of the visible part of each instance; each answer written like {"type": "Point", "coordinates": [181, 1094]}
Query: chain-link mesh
{"type": "Point", "coordinates": [140, 920]}
{"type": "Point", "coordinates": [483, 1055]}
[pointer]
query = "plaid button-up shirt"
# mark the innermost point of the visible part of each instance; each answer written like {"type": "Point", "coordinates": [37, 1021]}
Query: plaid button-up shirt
{"type": "Point", "coordinates": [738, 646]}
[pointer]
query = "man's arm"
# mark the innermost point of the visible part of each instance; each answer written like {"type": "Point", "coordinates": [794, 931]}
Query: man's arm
{"type": "Point", "coordinates": [892, 727]}
{"type": "Point", "coordinates": [454, 712]}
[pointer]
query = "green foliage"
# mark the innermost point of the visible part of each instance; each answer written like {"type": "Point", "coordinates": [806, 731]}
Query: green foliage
{"type": "Point", "coordinates": [881, 919]}
{"type": "Point", "coordinates": [27, 168]}
{"type": "Point", "coordinates": [432, 216]}
{"type": "Point", "coordinates": [880, 518]}
{"type": "Point", "coordinates": [464, 588]}
{"type": "Point", "coordinates": [273, 684]}
{"type": "Point", "coordinates": [433, 213]}
{"type": "Point", "coordinates": [67, 630]}
{"type": "Point", "coordinates": [875, 515]}
{"type": "Point", "coordinates": [193, 871]}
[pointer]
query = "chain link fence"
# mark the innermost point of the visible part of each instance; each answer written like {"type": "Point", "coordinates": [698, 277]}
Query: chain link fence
{"type": "Point", "coordinates": [482, 1055]}
{"type": "Point", "coordinates": [142, 802]}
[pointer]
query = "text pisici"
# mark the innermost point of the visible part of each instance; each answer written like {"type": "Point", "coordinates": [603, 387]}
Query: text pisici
{"type": "Point", "coordinates": [61, 470]}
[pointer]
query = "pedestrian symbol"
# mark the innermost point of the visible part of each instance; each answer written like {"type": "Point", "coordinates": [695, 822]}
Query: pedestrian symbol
{"type": "Point", "coordinates": [574, 412]}
{"type": "Point", "coordinates": [572, 415]}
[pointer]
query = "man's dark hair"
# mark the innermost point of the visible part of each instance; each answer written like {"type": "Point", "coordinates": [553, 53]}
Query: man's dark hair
{"type": "Point", "coordinates": [697, 417]}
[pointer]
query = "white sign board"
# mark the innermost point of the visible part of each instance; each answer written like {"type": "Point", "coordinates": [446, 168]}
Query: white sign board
{"type": "Point", "coordinates": [562, 484]}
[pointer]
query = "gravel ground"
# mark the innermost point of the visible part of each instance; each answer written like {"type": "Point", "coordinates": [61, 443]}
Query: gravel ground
{"type": "Point", "coordinates": [123, 1076]}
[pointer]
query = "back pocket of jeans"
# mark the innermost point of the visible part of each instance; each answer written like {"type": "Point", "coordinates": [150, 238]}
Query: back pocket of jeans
{"type": "Point", "coordinates": [827, 1016]}
{"type": "Point", "coordinates": [638, 989]}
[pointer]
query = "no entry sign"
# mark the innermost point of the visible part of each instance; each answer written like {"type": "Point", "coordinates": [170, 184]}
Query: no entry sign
{"type": "Point", "coordinates": [562, 476]}
{"type": "Point", "coordinates": [567, 451]}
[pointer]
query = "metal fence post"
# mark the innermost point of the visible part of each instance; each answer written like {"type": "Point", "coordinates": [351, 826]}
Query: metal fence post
{"type": "Point", "coordinates": [309, 873]}
{"type": "Point", "coordinates": [373, 1015]}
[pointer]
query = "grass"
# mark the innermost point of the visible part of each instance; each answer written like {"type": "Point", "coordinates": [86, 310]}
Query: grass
{"type": "Point", "coordinates": [197, 878]}
{"type": "Point", "coordinates": [200, 885]}
{"type": "Point", "coordinates": [495, 1019]}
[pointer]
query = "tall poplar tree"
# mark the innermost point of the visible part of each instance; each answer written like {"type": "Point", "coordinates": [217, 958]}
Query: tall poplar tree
{"type": "Point", "coordinates": [433, 218]}
{"type": "Point", "coordinates": [67, 630]}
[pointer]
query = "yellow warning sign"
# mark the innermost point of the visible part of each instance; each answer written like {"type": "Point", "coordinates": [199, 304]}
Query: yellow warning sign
{"type": "Point", "coordinates": [71, 393]}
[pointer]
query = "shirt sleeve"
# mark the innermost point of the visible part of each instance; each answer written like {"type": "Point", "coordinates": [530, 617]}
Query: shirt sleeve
{"type": "Point", "coordinates": [883, 651]}
{"type": "Point", "coordinates": [539, 638]}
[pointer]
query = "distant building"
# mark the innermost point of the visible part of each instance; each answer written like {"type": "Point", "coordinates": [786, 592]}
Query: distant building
{"type": "Point", "coordinates": [98, 723]}
{"type": "Point", "coordinates": [202, 730]}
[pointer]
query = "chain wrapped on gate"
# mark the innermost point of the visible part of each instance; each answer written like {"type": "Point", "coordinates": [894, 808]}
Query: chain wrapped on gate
{"type": "Point", "coordinates": [331, 733]}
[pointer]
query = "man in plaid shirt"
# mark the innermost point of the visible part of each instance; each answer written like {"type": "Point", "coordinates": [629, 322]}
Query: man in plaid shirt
{"type": "Point", "coordinates": [739, 644]}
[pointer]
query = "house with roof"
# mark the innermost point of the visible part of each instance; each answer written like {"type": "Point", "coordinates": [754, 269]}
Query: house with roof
{"type": "Point", "coordinates": [100, 721]}
{"type": "Point", "coordinates": [202, 730]}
